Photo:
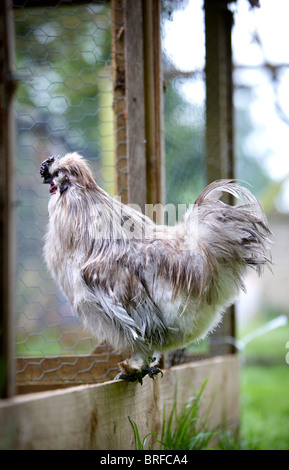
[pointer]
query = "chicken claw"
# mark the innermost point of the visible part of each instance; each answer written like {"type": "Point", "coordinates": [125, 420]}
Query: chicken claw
{"type": "Point", "coordinates": [135, 376]}
{"type": "Point", "coordinates": [151, 371]}
{"type": "Point", "coordinates": [139, 375]}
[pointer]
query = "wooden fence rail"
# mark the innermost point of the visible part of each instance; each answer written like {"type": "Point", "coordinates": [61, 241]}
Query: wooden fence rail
{"type": "Point", "coordinates": [97, 416]}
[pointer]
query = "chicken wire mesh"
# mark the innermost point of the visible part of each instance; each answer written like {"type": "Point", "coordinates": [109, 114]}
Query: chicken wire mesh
{"type": "Point", "coordinates": [63, 103]}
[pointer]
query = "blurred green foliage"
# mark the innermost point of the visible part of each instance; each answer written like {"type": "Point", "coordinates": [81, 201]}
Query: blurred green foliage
{"type": "Point", "coordinates": [184, 147]}
{"type": "Point", "coordinates": [265, 407]}
{"type": "Point", "coordinates": [63, 61]}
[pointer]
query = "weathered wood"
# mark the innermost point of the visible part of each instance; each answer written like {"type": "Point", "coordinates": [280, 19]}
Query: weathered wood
{"type": "Point", "coordinates": [97, 416]}
{"type": "Point", "coordinates": [119, 100]}
{"type": "Point", "coordinates": [7, 205]}
{"type": "Point", "coordinates": [138, 101]}
{"type": "Point", "coordinates": [219, 91]}
{"type": "Point", "coordinates": [219, 123]}
{"type": "Point", "coordinates": [153, 83]}
{"type": "Point", "coordinates": [135, 107]}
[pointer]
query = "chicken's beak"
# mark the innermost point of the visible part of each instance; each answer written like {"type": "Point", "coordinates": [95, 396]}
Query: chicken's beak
{"type": "Point", "coordinates": [47, 180]}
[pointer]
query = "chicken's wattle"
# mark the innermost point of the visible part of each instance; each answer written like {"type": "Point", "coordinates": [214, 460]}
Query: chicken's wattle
{"type": "Point", "coordinates": [52, 188]}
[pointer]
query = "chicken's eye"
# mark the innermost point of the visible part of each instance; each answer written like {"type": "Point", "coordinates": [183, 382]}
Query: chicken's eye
{"type": "Point", "coordinates": [56, 174]}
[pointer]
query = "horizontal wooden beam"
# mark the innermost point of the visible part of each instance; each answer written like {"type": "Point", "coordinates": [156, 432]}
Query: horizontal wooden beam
{"type": "Point", "coordinates": [97, 416]}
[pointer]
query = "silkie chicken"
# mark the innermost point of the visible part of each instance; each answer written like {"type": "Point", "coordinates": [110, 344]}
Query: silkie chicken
{"type": "Point", "coordinates": [145, 288]}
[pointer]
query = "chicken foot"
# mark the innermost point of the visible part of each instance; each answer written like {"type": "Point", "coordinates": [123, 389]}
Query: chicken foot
{"type": "Point", "coordinates": [139, 375]}
{"type": "Point", "coordinates": [131, 374]}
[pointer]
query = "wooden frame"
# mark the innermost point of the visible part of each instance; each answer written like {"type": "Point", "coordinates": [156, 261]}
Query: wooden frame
{"type": "Point", "coordinates": [119, 99]}
{"type": "Point", "coordinates": [135, 102]}
{"type": "Point", "coordinates": [219, 120]}
{"type": "Point", "coordinates": [138, 101]}
{"type": "Point", "coordinates": [219, 91]}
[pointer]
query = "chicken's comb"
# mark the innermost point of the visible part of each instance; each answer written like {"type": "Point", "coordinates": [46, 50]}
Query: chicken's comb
{"type": "Point", "coordinates": [44, 171]}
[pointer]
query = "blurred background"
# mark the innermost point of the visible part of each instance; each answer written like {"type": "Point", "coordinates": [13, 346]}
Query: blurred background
{"type": "Point", "coordinates": [261, 104]}
{"type": "Point", "coordinates": [64, 103]}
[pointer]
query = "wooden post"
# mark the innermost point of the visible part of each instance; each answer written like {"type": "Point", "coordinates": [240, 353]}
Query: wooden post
{"type": "Point", "coordinates": [140, 75]}
{"type": "Point", "coordinates": [134, 81]}
{"type": "Point", "coordinates": [119, 100]}
{"type": "Point", "coordinates": [219, 120]}
{"type": "Point", "coordinates": [153, 83]}
{"type": "Point", "coordinates": [219, 107]}
{"type": "Point", "coordinates": [7, 230]}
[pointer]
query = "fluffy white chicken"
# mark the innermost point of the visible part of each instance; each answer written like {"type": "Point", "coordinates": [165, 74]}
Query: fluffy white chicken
{"type": "Point", "coordinates": [141, 287]}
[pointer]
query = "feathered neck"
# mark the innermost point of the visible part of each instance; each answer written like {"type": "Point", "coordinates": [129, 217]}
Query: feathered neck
{"type": "Point", "coordinates": [89, 215]}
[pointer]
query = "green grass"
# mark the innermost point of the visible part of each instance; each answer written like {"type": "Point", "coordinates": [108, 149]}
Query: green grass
{"type": "Point", "coordinates": [264, 417]}
{"type": "Point", "coordinates": [270, 347]}
{"type": "Point", "coordinates": [186, 431]}
{"type": "Point", "coordinates": [265, 389]}
{"type": "Point", "coordinates": [265, 407]}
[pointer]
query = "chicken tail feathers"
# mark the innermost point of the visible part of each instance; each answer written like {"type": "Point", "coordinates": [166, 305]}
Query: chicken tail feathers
{"type": "Point", "coordinates": [233, 234]}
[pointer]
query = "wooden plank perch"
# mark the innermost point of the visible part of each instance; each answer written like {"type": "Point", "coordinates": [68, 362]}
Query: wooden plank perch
{"type": "Point", "coordinates": [97, 416]}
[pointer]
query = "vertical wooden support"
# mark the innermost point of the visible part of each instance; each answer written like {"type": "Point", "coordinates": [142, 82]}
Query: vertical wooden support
{"type": "Point", "coordinates": [119, 101]}
{"type": "Point", "coordinates": [7, 86]}
{"type": "Point", "coordinates": [219, 107]}
{"type": "Point", "coordinates": [134, 80]}
{"type": "Point", "coordinates": [153, 82]}
{"type": "Point", "coordinates": [219, 120]}
{"type": "Point", "coordinates": [138, 101]}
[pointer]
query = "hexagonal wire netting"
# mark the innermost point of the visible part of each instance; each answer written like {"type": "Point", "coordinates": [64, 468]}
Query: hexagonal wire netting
{"type": "Point", "coordinates": [63, 103]}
